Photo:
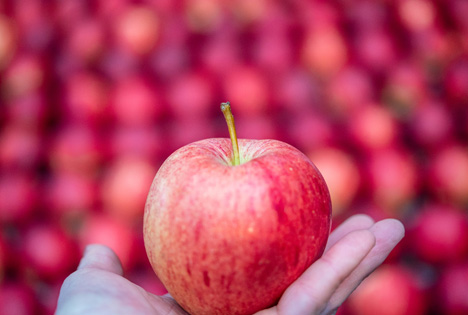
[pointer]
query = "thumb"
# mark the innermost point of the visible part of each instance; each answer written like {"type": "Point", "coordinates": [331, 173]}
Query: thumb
{"type": "Point", "coordinates": [101, 257]}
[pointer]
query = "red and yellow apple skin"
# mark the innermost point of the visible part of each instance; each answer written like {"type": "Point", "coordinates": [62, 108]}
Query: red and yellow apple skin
{"type": "Point", "coordinates": [229, 239]}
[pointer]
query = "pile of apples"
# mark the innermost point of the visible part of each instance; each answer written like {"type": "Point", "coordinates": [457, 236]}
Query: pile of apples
{"type": "Point", "coordinates": [95, 95]}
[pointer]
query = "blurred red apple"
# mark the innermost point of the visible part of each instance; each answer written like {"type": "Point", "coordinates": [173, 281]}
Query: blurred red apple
{"type": "Point", "coordinates": [145, 142]}
{"type": "Point", "coordinates": [16, 298]}
{"type": "Point", "coordinates": [296, 91]}
{"type": "Point", "coordinates": [422, 124]}
{"type": "Point", "coordinates": [136, 29]}
{"type": "Point", "coordinates": [19, 197]}
{"type": "Point", "coordinates": [375, 50]}
{"type": "Point", "coordinates": [405, 88]}
{"type": "Point", "coordinates": [310, 130]}
{"type": "Point", "coordinates": [439, 234]}
{"type": "Point", "coordinates": [25, 74]}
{"type": "Point", "coordinates": [86, 40]}
{"type": "Point", "coordinates": [103, 229]}
{"type": "Point", "coordinates": [76, 149]}
{"type": "Point", "coordinates": [451, 290]}
{"type": "Point", "coordinates": [20, 148]}
{"type": "Point", "coordinates": [190, 96]}
{"type": "Point", "coordinates": [389, 290]}
{"type": "Point", "coordinates": [324, 52]}
{"type": "Point", "coordinates": [203, 16]}
{"type": "Point", "coordinates": [373, 127]}
{"type": "Point", "coordinates": [349, 91]}
{"type": "Point", "coordinates": [125, 186]}
{"type": "Point", "coordinates": [341, 175]}
{"type": "Point", "coordinates": [247, 87]}
{"type": "Point", "coordinates": [8, 40]}
{"type": "Point", "coordinates": [49, 251]}
{"type": "Point", "coordinates": [69, 195]}
{"type": "Point", "coordinates": [417, 15]}
{"type": "Point", "coordinates": [135, 102]}
{"type": "Point", "coordinates": [447, 174]}
{"type": "Point", "coordinates": [29, 111]}
{"type": "Point", "coordinates": [85, 98]}
{"type": "Point", "coordinates": [393, 179]}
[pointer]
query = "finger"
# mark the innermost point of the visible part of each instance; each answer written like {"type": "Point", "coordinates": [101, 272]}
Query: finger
{"type": "Point", "coordinates": [354, 223]}
{"type": "Point", "coordinates": [387, 235]}
{"type": "Point", "coordinates": [310, 293]}
{"type": "Point", "coordinates": [100, 257]}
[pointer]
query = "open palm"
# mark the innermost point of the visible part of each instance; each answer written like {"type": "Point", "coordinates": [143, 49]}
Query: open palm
{"type": "Point", "coordinates": [354, 250]}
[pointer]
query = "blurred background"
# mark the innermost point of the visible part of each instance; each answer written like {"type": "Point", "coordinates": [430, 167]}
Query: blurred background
{"type": "Point", "coordinates": [94, 96]}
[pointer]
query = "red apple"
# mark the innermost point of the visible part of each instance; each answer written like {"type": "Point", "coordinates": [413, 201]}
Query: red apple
{"type": "Point", "coordinates": [341, 174]}
{"type": "Point", "coordinates": [125, 186]}
{"type": "Point", "coordinates": [390, 290]}
{"type": "Point", "coordinates": [248, 88]}
{"type": "Point", "coordinates": [136, 30]}
{"type": "Point", "coordinates": [19, 197]}
{"type": "Point", "coordinates": [49, 251]}
{"type": "Point", "coordinates": [20, 148]}
{"type": "Point", "coordinates": [70, 195]}
{"type": "Point", "coordinates": [135, 102]}
{"type": "Point", "coordinates": [86, 40]}
{"type": "Point", "coordinates": [85, 98]}
{"type": "Point", "coordinates": [447, 174]}
{"type": "Point", "coordinates": [422, 124]}
{"type": "Point", "coordinates": [102, 229]}
{"type": "Point", "coordinates": [17, 298]}
{"type": "Point", "coordinates": [324, 51]}
{"type": "Point", "coordinates": [439, 234]}
{"type": "Point", "coordinates": [393, 179]}
{"type": "Point", "coordinates": [76, 149]}
{"type": "Point", "coordinates": [228, 229]}
{"type": "Point", "coordinates": [145, 142]}
{"type": "Point", "coordinates": [451, 290]}
{"type": "Point", "coordinates": [417, 15]}
{"type": "Point", "coordinates": [310, 130]}
{"type": "Point", "coordinates": [190, 96]}
{"type": "Point", "coordinates": [203, 16]}
{"type": "Point", "coordinates": [373, 127]}
{"type": "Point", "coordinates": [349, 91]}
{"type": "Point", "coordinates": [8, 40]}
{"type": "Point", "coordinates": [25, 74]}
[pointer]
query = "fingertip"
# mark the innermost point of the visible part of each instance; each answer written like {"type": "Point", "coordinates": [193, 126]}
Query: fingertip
{"type": "Point", "coordinates": [97, 256]}
{"type": "Point", "coordinates": [363, 219]}
{"type": "Point", "coordinates": [389, 229]}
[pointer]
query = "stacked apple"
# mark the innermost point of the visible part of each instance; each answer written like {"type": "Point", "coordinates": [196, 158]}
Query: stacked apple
{"type": "Point", "coordinates": [95, 95]}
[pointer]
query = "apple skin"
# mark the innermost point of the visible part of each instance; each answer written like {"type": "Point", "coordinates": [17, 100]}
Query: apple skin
{"type": "Point", "coordinates": [230, 239]}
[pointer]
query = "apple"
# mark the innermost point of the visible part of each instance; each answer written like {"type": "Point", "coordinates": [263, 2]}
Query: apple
{"type": "Point", "coordinates": [439, 234]}
{"type": "Point", "coordinates": [325, 51]}
{"type": "Point", "coordinates": [17, 298]}
{"type": "Point", "coordinates": [124, 187]}
{"type": "Point", "coordinates": [116, 234]}
{"type": "Point", "coordinates": [341, 174]}
{"type": "Point", "coordinates": [229, 225]}
{"type": "Point", "coordinates": [390, 290]}
{"type": "Point", "coordinates": [451, 290]}
{"type": "Point", "coordinates": [49, 251]}
{"type": "Point", "coordinates": [446, 176]}
{"type": "Point", "coordinates": [136, 30]}
{"type": "Point", "coordinates": [8, 41]}
{"type": "Point", "coordinates": [248, 87]}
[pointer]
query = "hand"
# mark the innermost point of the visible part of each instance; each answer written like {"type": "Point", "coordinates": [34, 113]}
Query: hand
{"type": "Point", "coordinates": [354, 250]}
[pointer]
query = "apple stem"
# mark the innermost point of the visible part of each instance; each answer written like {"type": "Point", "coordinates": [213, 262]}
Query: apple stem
{"type": "Point", "coordinates": [226, 109]}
